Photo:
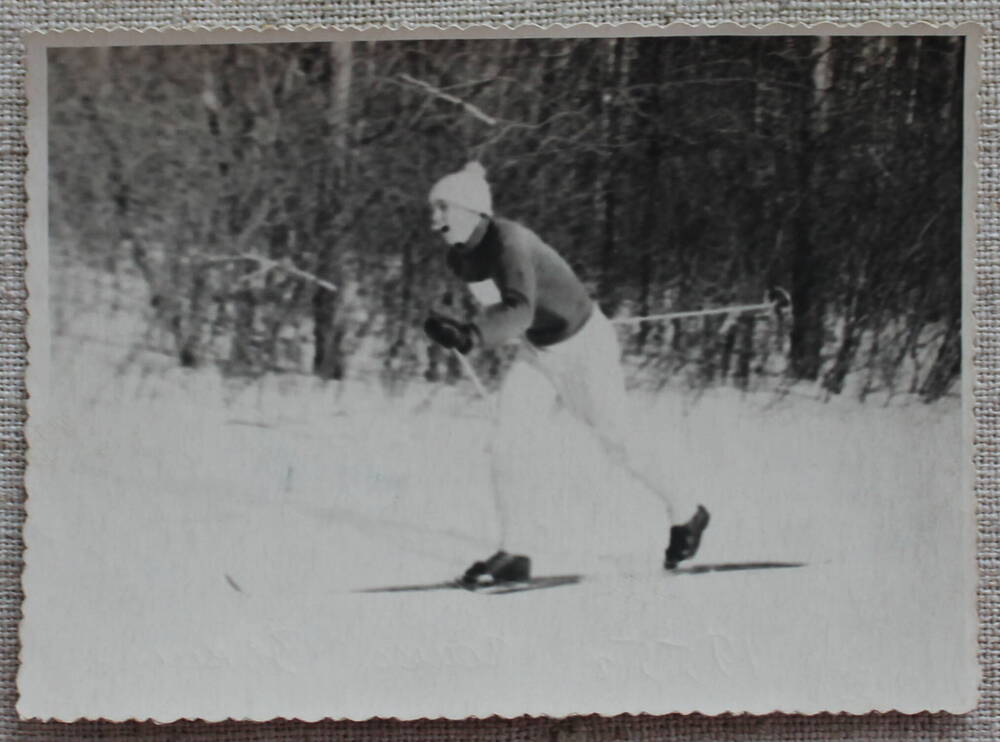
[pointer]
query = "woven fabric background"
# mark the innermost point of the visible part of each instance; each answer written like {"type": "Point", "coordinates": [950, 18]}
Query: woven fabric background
{"type": "Point", "coordinates": [17, 16]}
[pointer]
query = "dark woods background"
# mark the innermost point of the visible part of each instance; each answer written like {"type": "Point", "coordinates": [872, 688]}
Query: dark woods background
{"type": "Point", "coordinates": [672, 173]}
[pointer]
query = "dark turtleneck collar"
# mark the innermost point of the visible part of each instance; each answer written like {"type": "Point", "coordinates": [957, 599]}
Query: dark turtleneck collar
{"type": "Point", "coordinates": [476, 238]}
{"type": "Point", "coordinates": [472, 260]}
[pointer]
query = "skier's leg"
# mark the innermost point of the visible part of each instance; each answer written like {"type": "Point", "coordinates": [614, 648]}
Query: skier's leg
{"type": "Point", "coordinates": [526, 403]}
{"type": "Point", "coordinates": [602, 403]}
{"type": "Point", "coordinates": [526, 397]}
{"type": "Point", "coordinates": [592, 385]}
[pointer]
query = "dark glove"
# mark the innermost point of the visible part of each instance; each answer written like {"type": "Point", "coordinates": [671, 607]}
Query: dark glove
{"type": "Point", "coordinates": [450, 333]}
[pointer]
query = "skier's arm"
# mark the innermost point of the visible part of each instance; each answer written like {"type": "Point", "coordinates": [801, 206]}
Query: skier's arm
{"type": "Point", "coordinates": [513, 314]}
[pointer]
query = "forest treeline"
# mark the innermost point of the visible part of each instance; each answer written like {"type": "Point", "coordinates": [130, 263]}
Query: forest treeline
{"type": "Point", "coordinates": [273, 197]}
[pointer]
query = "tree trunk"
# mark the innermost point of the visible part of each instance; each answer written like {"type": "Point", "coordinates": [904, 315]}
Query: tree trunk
{"type": "Point", "coordinates": [833, 379]}
{"type": "Point", "coordinates": [243, 357]}
{"type": "Point", "coordinates": [807, 270]}
{"type": "Point", "coordinates": [947, 365]}
{"type": "Point", "coordinates": [745, 350]}
{"type": "Point", "coordinates": [648, 73]}
{"type": "Point", "coordinates": [328, 330]}
{"type": "Point", "coordinates": [607, 195]}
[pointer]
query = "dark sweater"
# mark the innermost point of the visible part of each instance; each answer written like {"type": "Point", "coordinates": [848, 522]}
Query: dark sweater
{"type": "Point", "coordinates": [540, 295]}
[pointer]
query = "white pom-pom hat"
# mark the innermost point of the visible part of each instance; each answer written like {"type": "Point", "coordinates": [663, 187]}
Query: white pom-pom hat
{"type": "Point", "coordinates": [466, 188]}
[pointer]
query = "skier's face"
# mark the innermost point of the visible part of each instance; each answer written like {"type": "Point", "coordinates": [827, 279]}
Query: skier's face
{"type": "Point", "coordinates": [454, 223]}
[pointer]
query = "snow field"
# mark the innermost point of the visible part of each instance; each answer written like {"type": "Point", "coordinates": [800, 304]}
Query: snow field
{"type": "Point", "coordinates": [197, 534]}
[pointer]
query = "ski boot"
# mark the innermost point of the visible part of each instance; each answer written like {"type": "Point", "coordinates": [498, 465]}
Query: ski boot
{"type": "Point", "coordinates": [501, 567]}
{"type": "Point", "coordinates": [684, 539]}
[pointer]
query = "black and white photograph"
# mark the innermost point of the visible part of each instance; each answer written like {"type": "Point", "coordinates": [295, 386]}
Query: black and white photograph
{"type": "Point", "coordinates": [430, 373]}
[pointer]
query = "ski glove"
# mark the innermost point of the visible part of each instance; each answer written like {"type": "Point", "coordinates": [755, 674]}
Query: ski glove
{"type": "Point", "coordinates": [450, 333]}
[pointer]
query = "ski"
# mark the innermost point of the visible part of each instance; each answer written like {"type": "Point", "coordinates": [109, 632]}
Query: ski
{"type": "Point", "coordinates": [537, 583]}
{"type": "Point", "coordinates": [502, 588]}
{"type": "Point", "coordinates": [700, 569]}
{"type": "Point", "coordinates": [541, 583]}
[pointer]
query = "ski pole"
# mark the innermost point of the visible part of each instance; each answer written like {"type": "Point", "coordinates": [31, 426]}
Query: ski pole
{"type": "Point", "coordinates": [777, 300]}
{"type": "Point", "coordinates": [693, 313]}
{"type": "Point", "coordinates": [470, 372]}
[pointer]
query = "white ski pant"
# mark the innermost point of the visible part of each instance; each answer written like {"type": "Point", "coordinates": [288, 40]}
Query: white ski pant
{"type": "Point", "coordinates": [586, 374]}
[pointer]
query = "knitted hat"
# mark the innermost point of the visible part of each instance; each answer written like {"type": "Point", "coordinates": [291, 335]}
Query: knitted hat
{"type": "Point", "coordinates": [467, 188]}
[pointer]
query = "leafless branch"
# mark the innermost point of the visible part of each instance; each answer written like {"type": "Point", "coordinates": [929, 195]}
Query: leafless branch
{"type": "Point", "coordinates": [469, 108]}
{"type": "Point", "coordinates": [266, 264]}
{"type": "Point", "coordinates": [255, 221]}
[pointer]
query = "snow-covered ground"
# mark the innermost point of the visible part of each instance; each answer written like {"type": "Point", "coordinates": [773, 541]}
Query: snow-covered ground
{"type": "Point", "coordinates": [196, 548]}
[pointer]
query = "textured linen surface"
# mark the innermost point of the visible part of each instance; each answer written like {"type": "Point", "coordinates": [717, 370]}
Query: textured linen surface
{"type": "Point", "coordinates": [21, 15]}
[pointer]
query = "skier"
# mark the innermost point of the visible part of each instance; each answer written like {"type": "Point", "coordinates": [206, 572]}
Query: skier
{"type": "Point", "coordinates": [542, 304]}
